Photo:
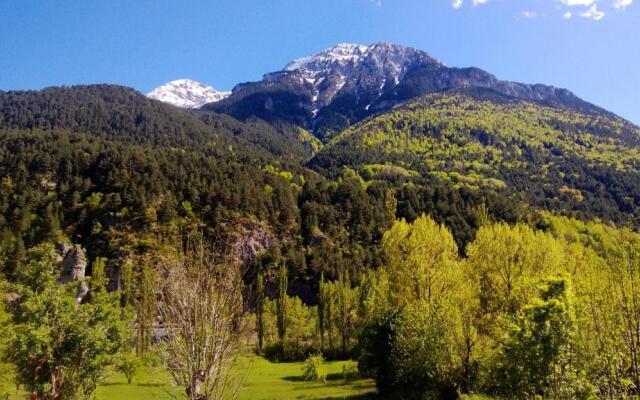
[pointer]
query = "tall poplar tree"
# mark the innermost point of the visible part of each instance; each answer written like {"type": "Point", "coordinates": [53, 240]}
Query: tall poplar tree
{"type": "Point", "coordinates": [282, 303]}
{"type": "Point", "coordinates": [321, 306]}
{"type": "Point", "coordinates": [260, 310]}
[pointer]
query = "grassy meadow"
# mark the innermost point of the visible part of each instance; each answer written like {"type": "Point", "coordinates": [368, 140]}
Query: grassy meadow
{"type": "Point", "coordinates": [262, 380]}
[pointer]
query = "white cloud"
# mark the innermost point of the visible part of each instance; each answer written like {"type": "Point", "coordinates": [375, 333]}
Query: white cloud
{"type": "Point", "coordinates": [621, 4]}
{"type": "Point", "coordinates": [593, 13]}
{"type": "Point", "coordinates": [573, 3]}
{"type": "Point", "coordinates": [592, 9]}
{"type": "Point", "coordinates": [458, 3]}
{"type": "Point", "coordinates": [617, 4]}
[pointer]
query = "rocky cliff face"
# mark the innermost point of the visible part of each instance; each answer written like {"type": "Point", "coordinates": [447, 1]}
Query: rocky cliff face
{"type": "Point", "coordinates": [250, 240]}
{"type": "Point", "coordinates": [73, 265]}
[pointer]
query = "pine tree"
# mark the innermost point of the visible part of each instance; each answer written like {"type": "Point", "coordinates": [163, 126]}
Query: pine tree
{"type": "Point", "coordinates": [52, 228]}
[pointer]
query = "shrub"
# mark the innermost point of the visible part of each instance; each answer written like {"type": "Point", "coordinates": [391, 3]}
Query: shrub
{"type": "Point", "coordinates": [151, 359]}
{"type": "Point", "coordinates": [349, 370]}
{"type": "Point", "coordinates": [376, 344]}
{"type": "Point", "coordinates": [536, 358]}
{"type": "Point", "coordinates": [314, 369]}
{"type": "Point", "coordinates": [128, 365]}
{"type": "Point", "coordinates": [289, 352]}
{"type": "Point", "coordinates": [410, 355]}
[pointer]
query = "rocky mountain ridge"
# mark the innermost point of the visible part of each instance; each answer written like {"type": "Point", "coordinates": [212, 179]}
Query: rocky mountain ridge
{"type": "Point", "coordinates": [347, 83]}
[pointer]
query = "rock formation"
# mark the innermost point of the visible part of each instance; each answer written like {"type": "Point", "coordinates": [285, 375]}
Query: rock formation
{"type": "Point", "coordinates": [74, 264]}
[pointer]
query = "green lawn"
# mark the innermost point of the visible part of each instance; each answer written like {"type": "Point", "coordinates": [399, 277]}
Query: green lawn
{"type": "Point", "coordinates": [263, 380]}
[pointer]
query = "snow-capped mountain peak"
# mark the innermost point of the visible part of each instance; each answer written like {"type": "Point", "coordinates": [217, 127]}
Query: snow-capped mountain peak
{"type": "Point", "coordinates": [353, 68]}
{"type": "Point", "coordinates": [349, 82]}
{"type": "Point", "coordinates": [343, 53]}
{"type": "Point", "coordinates": [187, 93]}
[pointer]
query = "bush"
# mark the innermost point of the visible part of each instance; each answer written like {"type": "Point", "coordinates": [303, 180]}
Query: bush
{"type": "Point", "coordinates": [349, 370]}
{"type": "Point", "coordinates": [290, 352]}
{"type": "Point", "coordinates": [128, 365]}
{"type": "Point", "coordinates": [410, 355]}
{"type": "Point", "coordinates": [313, 369]}
{"type": "Point", "coordinates": [151, 359]}
{"type": "Point", "coordinates": [376, 345]}
{"type": "Point", "coordinates": [536, 358]}
{"type": "Point", "coordinates": [6, 375]}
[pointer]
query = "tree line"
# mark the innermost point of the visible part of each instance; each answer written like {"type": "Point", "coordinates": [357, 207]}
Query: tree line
{"type": "Point", "coordinates": [524, 313]}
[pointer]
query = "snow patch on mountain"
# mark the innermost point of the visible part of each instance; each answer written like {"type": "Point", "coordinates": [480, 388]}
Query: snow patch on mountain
{"type": "Point", "coordinates": [343, 53]}
{"type": "Point", "coordinates": [349, 82]}
{"type": "Point", "coordinates": [353, 68]}
{"type": "Point", "coordinates": [187, 93]}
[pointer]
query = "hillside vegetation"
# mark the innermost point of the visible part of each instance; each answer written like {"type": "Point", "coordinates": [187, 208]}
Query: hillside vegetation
{"type": "Point", "coordinates": [558, 159]}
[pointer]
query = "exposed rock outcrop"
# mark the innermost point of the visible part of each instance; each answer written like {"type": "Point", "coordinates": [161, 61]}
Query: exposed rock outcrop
{"type": "Point", "coordinates": [249, 241]}
{"type": "Point", "coordinates": [74, 263]}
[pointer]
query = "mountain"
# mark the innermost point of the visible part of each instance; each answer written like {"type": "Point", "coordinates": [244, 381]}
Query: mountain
{"type": "Point", "coordinates": [347, 83]}
{"type": "Point", "coordinates": [187, 93]}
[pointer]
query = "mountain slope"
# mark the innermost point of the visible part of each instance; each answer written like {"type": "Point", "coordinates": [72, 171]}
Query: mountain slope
{"type": "Point", "coordinates": [187, 93]}
{"type": "Point", "coordinates": [347, 83]}
{"type": "Point", "coordinates": [123, 114]}
{"type": "Point", "coordinates": [553, 158]}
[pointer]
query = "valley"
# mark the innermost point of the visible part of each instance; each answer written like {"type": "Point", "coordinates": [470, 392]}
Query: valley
{"type": "Point", "coordinates": [367, 222]}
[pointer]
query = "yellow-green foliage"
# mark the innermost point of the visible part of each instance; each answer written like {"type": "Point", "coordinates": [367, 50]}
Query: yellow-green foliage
{"type": "Point", "coordinates": [313, 369]}
{"type": "Point", "coordinates": [295, 181]}
{"type": "Point", "coordinates": [597, 235]}
{"type": "Point", "coordinates": [6, 370]}
{"type": "Point", "coordinates": [372, 171]}
{"type": "Point", "coordinates": [508, 263]}
{"type": "Point", "coordinates": [475, 138]}
{"type": "Point", "coordinates": [420, 260]}
{"type": "Point", "coordinates": [309, 139]}
{"type": "Point", "coordinates": [301, 322]}
{"type": "Point", "coordinates": [497, 297]}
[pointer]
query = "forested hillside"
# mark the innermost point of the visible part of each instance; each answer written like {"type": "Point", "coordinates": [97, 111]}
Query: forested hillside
{"type": "Point", "coordinates": [559, 159]}
{"type": "Point", "coordinates": [107, 167]}
{"type": "Point", "coordinates": [123, 114]}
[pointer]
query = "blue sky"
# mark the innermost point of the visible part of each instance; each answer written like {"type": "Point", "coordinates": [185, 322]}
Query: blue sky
{"type": "Point", "coordinates": [589, 46]}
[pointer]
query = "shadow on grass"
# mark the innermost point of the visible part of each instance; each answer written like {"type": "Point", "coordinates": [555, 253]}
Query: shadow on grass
{"type": "Point", "coordinates": [330, 377]}
{"type": "Point", "coordinates": [354, 397]}
{"type": "Point", "coordinates": [132, 384]}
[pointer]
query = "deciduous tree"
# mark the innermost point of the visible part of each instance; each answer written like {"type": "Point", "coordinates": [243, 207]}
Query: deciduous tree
{"type": "Point", "coordinates": [201, 309]}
